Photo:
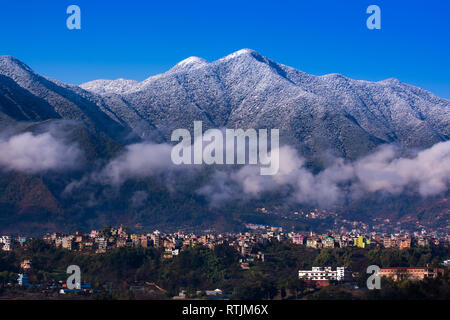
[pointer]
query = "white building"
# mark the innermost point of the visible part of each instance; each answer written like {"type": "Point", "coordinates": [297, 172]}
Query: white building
{"type": "Point", "coordinates": [102, 245]}
{"type": "Point", "coordinates": [66, 243]}
{"type": "Point", "coordinates": [5, 243]}
{"type": "Point", "coordinates": [322, 274]}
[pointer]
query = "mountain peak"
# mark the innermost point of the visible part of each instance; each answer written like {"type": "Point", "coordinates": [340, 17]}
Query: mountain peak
{"type": "Point", "coordinates": [14, 68]}
{"type": "Point", "coordinates": [190, 63]}
{"type": "Point", "coordinates": [13, 62]}
{"type": "Point", "coordinates": [8, 59]}
{"type": "Point", "coordinates": [243, 52]}
{"type": "Point", "coordinates": [192, 60]}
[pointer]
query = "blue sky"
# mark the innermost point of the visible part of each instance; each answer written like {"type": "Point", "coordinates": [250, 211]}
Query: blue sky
{"type": "Point", "coordinates": [135, 39]}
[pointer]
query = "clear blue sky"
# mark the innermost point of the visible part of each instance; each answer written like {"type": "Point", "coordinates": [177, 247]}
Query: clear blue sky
{"type": "Point", "coordinates": [135, 39]}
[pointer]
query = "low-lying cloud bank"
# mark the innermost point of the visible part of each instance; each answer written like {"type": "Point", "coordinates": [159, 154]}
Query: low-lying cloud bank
{"type": "Point", "coordinates": [37, 153]}
{"type": "Point", "coordinates": [139, 160]}
{"type": "Point", "coordinates": [426, 172]}
{"type": "Point", "coordinates": [387, 170]}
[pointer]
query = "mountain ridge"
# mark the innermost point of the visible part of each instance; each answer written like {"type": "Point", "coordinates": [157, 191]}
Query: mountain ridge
{"type": "Point", "coordinates": [318, 115]}
{"type": "Point", "coordinates": [198, 61]}
{"type": "Point", "coordinates": [248, 90]}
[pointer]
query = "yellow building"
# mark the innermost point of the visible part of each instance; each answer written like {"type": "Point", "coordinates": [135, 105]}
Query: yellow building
{"type": "Point", "coordinates": [361, 242]}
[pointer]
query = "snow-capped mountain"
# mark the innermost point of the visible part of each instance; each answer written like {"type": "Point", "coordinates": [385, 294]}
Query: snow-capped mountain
{"type": "Point", "coordinates": [27, 96]}
{"type": "Point", "coordinates": [118, 86]}
{"type": "Point", "coordinates": [316, 113]}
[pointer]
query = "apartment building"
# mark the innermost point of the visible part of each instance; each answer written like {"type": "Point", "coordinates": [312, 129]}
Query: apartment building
{"type": "Point", "coordinates": [410, 273]}
{"type": "Point", "coordinates": [325, 274]}
{"type": "Point", "coordinates": [5, 243]}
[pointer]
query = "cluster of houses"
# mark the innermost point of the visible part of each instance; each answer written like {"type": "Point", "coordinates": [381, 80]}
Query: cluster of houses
{"type": "Point", "coordinates": [7, 242]}
{"type": "Point", "coordinates": [367, 240]}
{"type": "Point", "coordinates": [172, 244]}
{"type": "Point", "coordinates": [100, 241]}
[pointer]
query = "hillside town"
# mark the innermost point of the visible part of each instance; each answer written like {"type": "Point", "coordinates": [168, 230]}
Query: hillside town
{"type": "Point", "coordinates": [246, 245]}
{"type": "Point", "coordinates": [100, 241]}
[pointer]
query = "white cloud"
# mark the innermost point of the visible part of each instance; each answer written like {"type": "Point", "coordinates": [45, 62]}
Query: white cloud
{"type": "Point", "coordinates": [36, 153]}
{"type": "Point", "coordinates": [385, 170]}
{"type": "Point", "coordinates": [427, 173]}
{"type": "Point", "coordinates": [139, 160]}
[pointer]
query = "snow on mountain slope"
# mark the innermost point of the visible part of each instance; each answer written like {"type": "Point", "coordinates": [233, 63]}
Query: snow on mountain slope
{"type": "Point", "coordinates": [118, 86]}
{"type": "Point", "coordinates": [189, 64]}
{"type": "Point", "coordinates": [315, 113]}
{"type": "Point", "coordinates": [29, 96]}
